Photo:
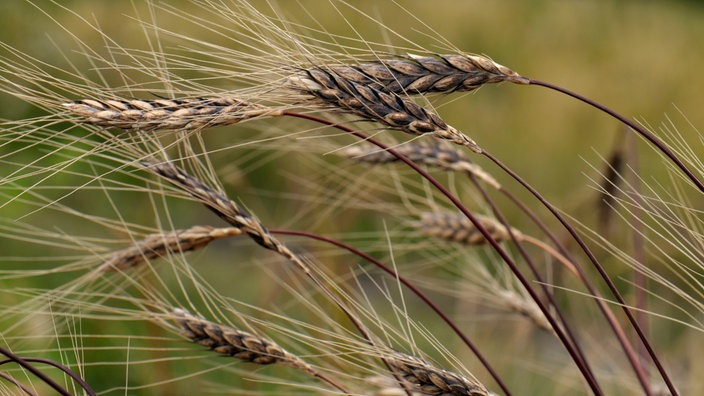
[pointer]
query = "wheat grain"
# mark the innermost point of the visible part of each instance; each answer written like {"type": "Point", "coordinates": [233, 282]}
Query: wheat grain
{"type": "Point", "coordinates": [236, 343]}
{"type": "Point", "coordinates": [333, 90]}
{"type": "Point", "coordinates": [429, 380]}
{"type": "Point", "coordinates": [225, 208]}
{"type": "Point", "coordinates": [456, 227]}
{"type": "Point", "coordinates": [415, 74]}
{"type": "Point", "coordinates": [167, 114]}
{"type": "Point", "coordinates": [436, 155]}
{"type": "Point", "coordinates": [162, 244]}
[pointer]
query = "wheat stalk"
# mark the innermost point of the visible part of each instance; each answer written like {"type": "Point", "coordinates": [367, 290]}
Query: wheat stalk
{"type": "Point", "coordinates": [167, 114]}
{"type": "Point", "coordinates": [415, 74]}
{"type": "Point", "coordinates": [161, 244]}
{"type": "Point", "coordinates": [335, 91]}
{"type": "Point", "coordinates": [429, 380]}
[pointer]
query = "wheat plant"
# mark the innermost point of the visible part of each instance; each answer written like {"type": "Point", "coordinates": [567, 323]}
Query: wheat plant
{"type": "Point", "coordinates": [355, 198]}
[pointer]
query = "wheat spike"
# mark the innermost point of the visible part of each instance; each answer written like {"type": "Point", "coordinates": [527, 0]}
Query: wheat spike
{"type": "Point", "coordinates": [159, 245]}
{"type": "Point", "coordinates": [336, 91]}
{"type": "Point", "coordinates": [429, 380]}
{"type": "Point", "coordinates": [456, 227]}
{"type": "Point", "coordinates": [414, 74]}
{"type": "Point", "coordinates": [167, 114]}
{"type": "Point", "coordinates": [224, 208]}
{"type": "Point", "coordinates": [236, 343]}
{"type": "Point", "coordinates": [523, 306]}
{"type": "Point", "coordinates": [439, 156]}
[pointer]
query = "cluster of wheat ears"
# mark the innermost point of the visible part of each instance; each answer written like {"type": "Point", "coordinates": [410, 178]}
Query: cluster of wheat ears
{"type": "Point", "coordinates": [184, 214]}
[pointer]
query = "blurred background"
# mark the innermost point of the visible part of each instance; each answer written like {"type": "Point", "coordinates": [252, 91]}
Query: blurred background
{"type": "Point", "coordinates": [641, 58]}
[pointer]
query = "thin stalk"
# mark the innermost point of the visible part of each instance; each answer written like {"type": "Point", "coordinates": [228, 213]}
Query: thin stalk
{"type": "Point", "coordinates": [456, 202]}
{"type": "Point", "coordinates": [25, 364]}
{"type": "Point", "coordinates": [639, 129]}
{"type": "Point", "coordinates": [612, 287]}
{"type": "Point", "coordinates": [412, 288]}
{"type": "Point", "coordinates": [538, 277]}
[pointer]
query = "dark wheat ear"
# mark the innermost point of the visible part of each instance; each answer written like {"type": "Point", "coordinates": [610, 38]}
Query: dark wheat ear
{"type": "Point", "coordinates": [425, 379]}
{"type": "Point", "coordinates": [242, 345]}
{"type": "Point", "coordinates": [236, 343]}
{"type": "Point", "coordinates": [415, 74]}
{"type": "Point", "coordinates": [332, 90]}
{"type": "Point", "coordinates": [167, 114]}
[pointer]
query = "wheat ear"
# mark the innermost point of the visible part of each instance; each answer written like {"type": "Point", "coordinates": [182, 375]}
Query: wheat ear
{"type": "Point", "coordinates": [333, 90]}
{"type": "Point", "coordinates": [167, 114]}
{"type": "Point", "coordinates": [236, 343]}
{"type": "Point", "coordinates": [242, 345]}
{"type": "Point", "coordinates": [414, 74]}
{"type": "Point", "coordinates": [456, 227]}
{"type": "Point", "coordinates": [158, 245]}
{"type": "Point", "coordinates": [431, 154]}
{"type": "Point", "coordinates": [225, 208]}
{"type": "Point", "coordinates": [429, 380]}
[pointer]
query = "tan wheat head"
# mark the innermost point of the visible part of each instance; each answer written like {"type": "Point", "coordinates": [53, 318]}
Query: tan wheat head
{"type": "Point", "coordinates": [167, 114]}
{"type": "Point", "coordinates": [456, 227]}
{"type": "Point", "coordinates": [163, 244]}
{"type": "Point", "coordinates": [431, 154]}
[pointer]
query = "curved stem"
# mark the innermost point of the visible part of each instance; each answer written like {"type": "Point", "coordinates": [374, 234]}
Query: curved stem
{"type": "Point", "coordinates": [23, 362]}
{"type": "Point", "coordinates": [639, 129]}
{"type": "Point", "coordinates": [455, 201]}
{"type": "Point", "coordinates": [411, 287]}
{"type": "Point", "coordinates": [612, 287]}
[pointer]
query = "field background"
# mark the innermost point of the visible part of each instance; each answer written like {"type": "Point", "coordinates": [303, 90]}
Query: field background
{"type": "Point", "coordinates": [642, 58]}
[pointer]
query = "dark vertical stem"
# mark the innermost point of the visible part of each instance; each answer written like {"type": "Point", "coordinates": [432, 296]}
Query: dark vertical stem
{"type": "Point", "coordinates": [639, 278]}
{"type": "Point", "coordinates": [538, 277]}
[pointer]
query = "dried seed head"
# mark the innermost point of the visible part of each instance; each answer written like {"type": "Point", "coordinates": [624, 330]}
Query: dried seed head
{"type": "Point", "coordinates": [167, 114]}
{"type": "Point", "coordinates": [429, 380]}
{"type": "Point", "coordinates": [159, 245]}
{"type": "Point", "coordinates": [456, 227]}
{"type": "Point", "coordinates": [415, 74]}
{"type": "Point", "coordinates": [334, 90]}
{"type": "Point", "coordinates": [436, 155]}
{"type": "Point", "coordinates": [236, 343]}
